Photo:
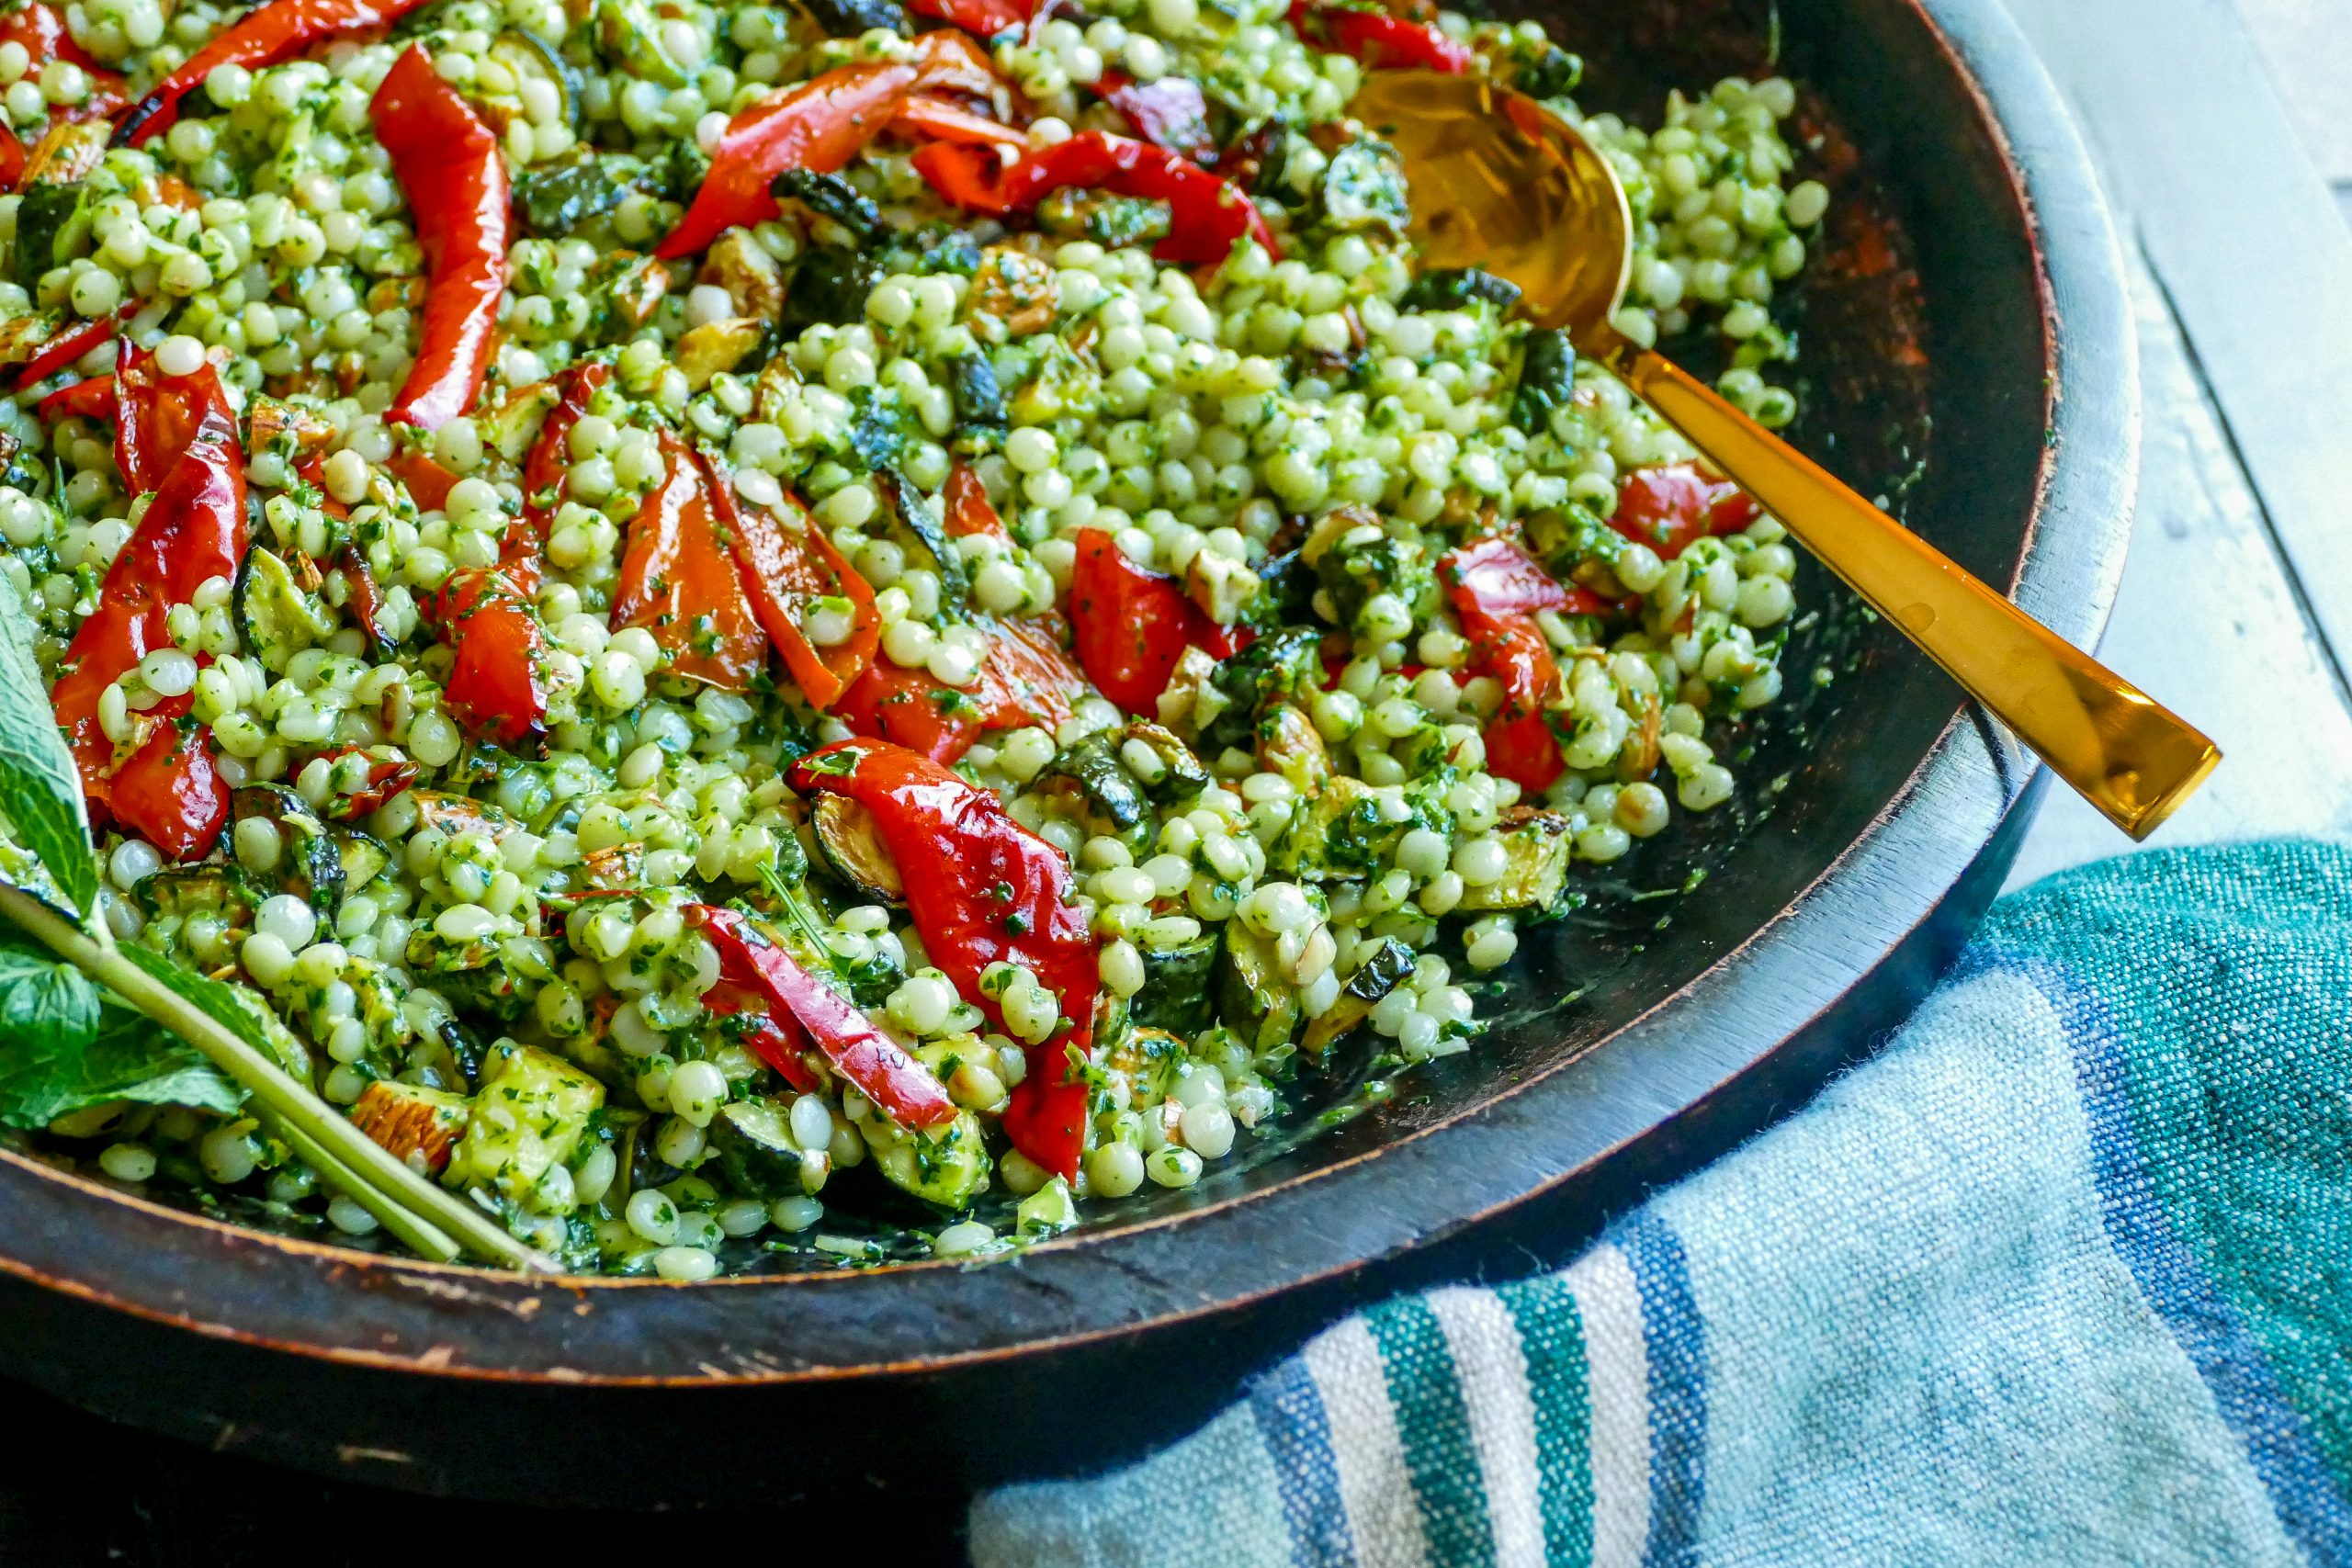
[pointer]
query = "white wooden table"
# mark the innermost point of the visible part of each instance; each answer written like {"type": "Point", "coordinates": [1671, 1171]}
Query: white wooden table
{"type": "Point", "coordinates": [2236, 607]}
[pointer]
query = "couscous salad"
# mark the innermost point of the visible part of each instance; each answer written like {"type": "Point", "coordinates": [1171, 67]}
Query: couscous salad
{"type": "Point", "coordinates": [679, 632]}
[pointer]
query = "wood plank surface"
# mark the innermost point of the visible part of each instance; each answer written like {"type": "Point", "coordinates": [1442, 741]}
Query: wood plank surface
{"type": "Point", "coordinates": [2236, 608]}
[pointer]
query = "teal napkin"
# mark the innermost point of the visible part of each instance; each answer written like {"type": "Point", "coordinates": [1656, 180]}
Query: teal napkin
{"type": "Point", "coordinates": [2060, 1276]}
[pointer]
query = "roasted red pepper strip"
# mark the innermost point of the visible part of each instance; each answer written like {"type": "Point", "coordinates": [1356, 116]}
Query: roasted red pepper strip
{"type": "Point", "coordinates": [1381, 42]}
{"type": "Point", "coordinates": [93, 398]}
{"type": "Point", "coordinates": [385, 778]}
{"type": "Point", "coordinates": [1028, 679]}
{"type": "Point", "coordinates": [447, 161]}
{"type": "Point", "coordinates": [1171, 112]}
{"type": "Point", "coordinates": [427, 482]}
{"type": "Point", "coordinates": [868, 1060]}
{"type": "Point", "coordinates": [1670, 508]}
{"type": "Point", "coordinates": [818, 125]}
{"type": "Point", "coordinates": [170, 792]}
{"type": "Point", "coordinates": [40, 28]}
{"type": "Point", "coordinates": [925, 118]}
{"type": "Point", "coordinates": [763, 1036]}
{"type": "Point", "coordinates": [167, 791]}
{"type": "Point", "coordinates": [1133, 625]}
{"type": "Point", "coordinates": [66, 346]}
{"type": "Point", "coordinates": [156, 416]}
{"type": "Point", "coordinates": [545, 469]}
{"type": "Point", "coordinates": [263, 36]}
{"type": "Point", "coordinates": [1496, 590]}
{"type": "Point", "coordinates": [494, 690]}
{"type": "Point", "coordinates": [1209, 215]}
{"type": "Point", "coordinates": [785, 561]}
{"type": "Point", "coordinates": [966, 501]}
{"type": "Point", "coordinates": [981, 18]}
{"type": "Point", "coordinates": [990, 891]}
{"type": "Point", "coordinates": [679, 582]}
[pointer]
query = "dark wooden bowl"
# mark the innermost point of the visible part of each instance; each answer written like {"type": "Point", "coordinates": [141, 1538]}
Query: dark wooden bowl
{"type": "Point", "coordinates": [1968, 349]}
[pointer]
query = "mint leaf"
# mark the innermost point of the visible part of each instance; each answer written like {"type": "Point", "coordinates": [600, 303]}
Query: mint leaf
{"type": "Point", "coordinates": [126, 1057]}
{"type": "Point", "coordinates": [41, 792]}
{"type": "Point", "coordinates": [43, 1004]}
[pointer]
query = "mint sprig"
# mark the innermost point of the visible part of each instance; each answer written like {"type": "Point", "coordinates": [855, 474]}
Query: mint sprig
{"type": "Point", "coordinates": [63, 1045]}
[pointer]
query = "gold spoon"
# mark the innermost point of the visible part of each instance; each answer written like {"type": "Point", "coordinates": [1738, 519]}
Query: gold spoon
{"type": "Point", "coordinates": [1502, 183]}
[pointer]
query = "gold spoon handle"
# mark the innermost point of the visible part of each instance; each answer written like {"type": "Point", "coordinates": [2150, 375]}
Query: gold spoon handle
{"type": "Point", "coordinates": [2124, 752]}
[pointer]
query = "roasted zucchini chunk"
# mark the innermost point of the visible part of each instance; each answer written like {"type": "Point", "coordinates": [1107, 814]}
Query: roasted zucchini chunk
{"type": "Point", "coordinates": [364, 857]}
{"type": "Point", "coordinates": [1537, 843]}
{"type": "Point", "coordinates": [1388, 967]}
{"type": "Point", "coordinates": [1289, 744]}
{"type": "Point", "coordinates": [225, 891]}
{"type": "Point", "coordinates": [1108, 801]}
{"type": "Point", "coordinates": [753, 1138]}
{"type": "Point", "coordinates": [1345, 833]}
{"type": "Point", "coordinates": [1148, 1057]}
{"type": "Point", "coordinates": [310, 858]}
{"type": "Point", "coordinates": [1284, 664]}
{"type": "Point", "coordinates": [852, 844]}
{"type": "Point", "coordinates": [1254, 998]}
{"type": "Point", "coordinates": [527, 1121]}
{"type": "Point", "coordinates": [1168, 769]}
{"type": "Point", "coordinates": [1177, 982]}
{"type": "Point", "coordinates": [417, 1124]}
{"type": "Point", "coordinates": [276, 616]}
{"type": "Point", "coordinates": [917, 529]}
{"type": "Point", "coordinates": [947, 1165]}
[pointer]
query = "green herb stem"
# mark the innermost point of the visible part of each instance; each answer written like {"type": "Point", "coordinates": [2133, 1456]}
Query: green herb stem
{"type": "Point", "coordinates": [374, 1175]}
{"type": "Point", "coordinates": [422, 1236]}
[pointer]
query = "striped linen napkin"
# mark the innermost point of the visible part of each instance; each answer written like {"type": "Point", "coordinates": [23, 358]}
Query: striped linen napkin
{"type": "Point", "coordinates": [2064, 1275]}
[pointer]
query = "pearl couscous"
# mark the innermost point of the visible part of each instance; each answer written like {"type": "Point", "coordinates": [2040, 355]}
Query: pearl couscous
{"type": "Point", "coordinates": [835, 632]}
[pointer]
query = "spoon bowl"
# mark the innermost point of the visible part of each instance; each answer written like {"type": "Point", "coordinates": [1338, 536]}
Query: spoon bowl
{"type": "Point", "coordinates": [1502, 183]}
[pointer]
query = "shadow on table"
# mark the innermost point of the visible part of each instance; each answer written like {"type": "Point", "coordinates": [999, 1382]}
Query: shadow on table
{"type": "Point", "coordinates": [83, 1493]}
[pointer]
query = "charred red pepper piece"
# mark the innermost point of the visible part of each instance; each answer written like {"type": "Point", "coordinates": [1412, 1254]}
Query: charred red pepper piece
{"type": "Point", "coordinates": [40, 28]}
{"type": "Point", "coordinates": [427, 482]}
{"type": "Point", "coordinates": [991, 891]}
{"type": "Point", "coordinates": [157, 416]}
{"type": "Point", "coordinates": [966, 501]}
{"type": "Point", "coordinates": [1670, 508]}
{"type": "Point", "coordinates": [1133, 625]}
{"type": "Point", "coordinates": [1028, 679]}
{"type": "Point", "coordinates": [818, 126]}
{"type": "Point", "coordinates": [868, 1060]}
{"type": "Point", "coordinates": [448, 163]}
{"type": "Point", "coordinates": [495, 690]}
{"type": "Point", "coordinates": [981, 18]}
{"type": "Point", "coordinates": [66, 347]}
{"type": "Point", "coordinates": [1208, 214]}
{"type": "Point", "coordinates": [1497, 589]}
{"type": "Point", "coordinates": [167, 791]}
{"type": "Point", "coordinates": [1171, 112]}
{"type": "Point", "coordinates": [523, 551]}
{"type": "Point", "coordinates": [385, 778]}
{"type": "Point", "coordinates": [927, 118]}
{"type": "Point", "coordinates": [679, 582]}
{"type": "Point", "coordinates": [263, 36]}
{"type": "Point", "coordinates": [785, 561]}
{"type": "Point", "coordinates": [1381, 42]}
{"type": "Point", "coordinates": [93, 398]}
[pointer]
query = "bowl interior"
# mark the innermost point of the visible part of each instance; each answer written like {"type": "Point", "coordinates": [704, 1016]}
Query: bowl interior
{"type": "Point", "coordinates": [1927, 352]}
